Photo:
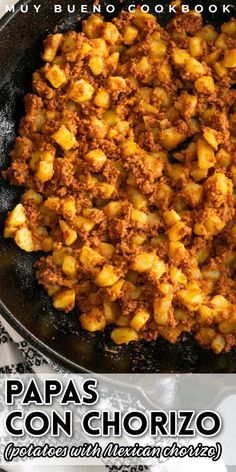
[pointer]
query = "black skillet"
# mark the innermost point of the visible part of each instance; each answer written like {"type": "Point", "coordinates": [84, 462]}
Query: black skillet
{"type": "Point", "coordinates": [23, 303]}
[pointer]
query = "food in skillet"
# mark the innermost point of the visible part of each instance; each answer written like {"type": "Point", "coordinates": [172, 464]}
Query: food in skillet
{"type": "Point", "coordinates": [127, 154]}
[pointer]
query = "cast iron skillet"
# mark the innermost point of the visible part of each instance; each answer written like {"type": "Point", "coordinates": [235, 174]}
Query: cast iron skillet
{"type": "Point", "coordinates": [23, 303]}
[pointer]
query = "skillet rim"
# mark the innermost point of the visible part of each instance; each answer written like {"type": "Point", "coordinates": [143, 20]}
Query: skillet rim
{"type": "Point", "coordinates": [42, 347]}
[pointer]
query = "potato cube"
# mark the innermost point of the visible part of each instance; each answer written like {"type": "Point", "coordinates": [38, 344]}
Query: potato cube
{"type": "Point", "coordinates": [158, 268]}
{"type": "Point", "coordinates": [218, 344]}
{"type": "Point", "coordinates": [194, 67]}
{"type": "Point", "coordinates": [69, 234]}
{"type": "Point", "coordinates": [110, 33]}
{"type": "Point", "coordinates": [137, 198]}
{"type": "Point", "coordinates": [92, 27]}
{"type": "Point", "coordinates": [69, 206]}
{"type": "Point", "coordinates": [80, 91]}
{"type": "Point", "coordinates": [229, 27]}
{"type": "Point", "coordinates": [144, 66]}
{"type": "Point", "coordinates": [56, 76]}
{"type": "Point", "coordinates": [24, 239]}
{"type": "Point", "coordinates": [170, 138]}
{"type": "Point", "coordinates": [69, 266]}
{"type": "Point", "coordinates": [96, 64]}
{"type": "Point", "coordinates": [83, 224]}
{"type": "Point", "coordinates": [51, 47]}
{"type": "Point", "coordinates": [129, 35]}
{"type": "Point", "coordinates": [139, 216]}
{"type": "Point", "coordinates": [45, 169]}
{"type": "Point", "coordinates": [64, 300]}
{"type": "Point", "coordinates": [124, 335]}
{"type": "Point", "coordinates": [143, 262]}
{"type": "Point", "coordinates": [180, 56]}
{"type": "Point", "coordinates": [158, 49]}
{"type": "Point", "coordinates": [102, 99]}
{"type": "Point", "coordinates": [64, 138]}
{"type": "Point", "coordinates": [162, 308]}
{"type": "Point", "coordinates": [205, 154]}
{"type": "Point", "coordinates": [187, 105]}
{"type": "Point", "coordinates": [106, 190]}
{"type": "Point", "coordinates": [195, 46]}
{"type": "Point", "coordinates": [229, 60]}
{"type": "Point", "coordinates": [96, 158]}
{"type": "Point", "coordinates": [17, 216]}
{"type": "Point", "coordinates": [33, 197]}
{"type": "Point", "coordinates": [177, 276]}
{"type": "Point", "coordinates": [205, 84]}
{"type": "Point", "coordinates": [191, 298]}
{"type": "Point", "coordinates": [176, 232]}
{"type": "Point", "coordinates": [139, 319]}
{"type": "Point", "coordinates": [89, 257]}
{"type": "Point", "coordinates": [93, 321]}
{"type": "Point", "coordinates": [111, 311]}
{"type": "Point", "coordinates": [171, 217]}
{"type": "Point", "coordinates": [107, 276]}
{"type": "Point", "coordinates": [69, 42]}
{"type": "Point", "coordinates": [106, 250]}
{"type": "Point", "coordinates": [193, 193]}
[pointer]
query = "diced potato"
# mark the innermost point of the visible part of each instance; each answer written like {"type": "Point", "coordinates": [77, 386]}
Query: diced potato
{"type": "Point", "coordinates": [137, 198]}
{"type": "Point", "coordinates": [64, 300]}
{"type": "Point", "coordinates": [110, 33]}
{"type": "Point", "coordinates": [113, 209]}
{"type": "Point", "coordinates": [124, 335]}
{"type": "Point", "coordinates": [229, 60]}
{"type": "Point", "coordinates": [227, 327]}
{"type": "Point", "coordinates": [193, 193]}
{"type": "Point", "coordinates": [105, 190]}
{"type": "Point", "coordinates": [92, 27]}
{"type": "Point", "coordinates": [45, 169]}
{"type": "Point", "coordinates": [187, 105]}
{"type": "Point", "coordinates": [69, 266]}
{"type": "Point", "coordinates": [69, 206]}
{"type": "Point", "coordinates": [102, 99]}
{"type": "Point", "coordinates": [80, 91]}
{"type": "Point", "coordinates": [83, 224]}
{"type": "Point", "coordinates": [64, 138]}
{"type": "Point", "coordinates": [33, 197]}
{"type": "Point", "coordinates": [111, 311]}
{"type": "Point", "coordinates": [111, 118]}
{"type": "Point", "coordinates": [69, 234]}
{"type": "Point", "coordinates": [205, 154]}
{"type": "Point", "coordinates": [56, 76]}
{"type": "Point", "coordinates": [205, 84]}
{"type": "Point", "coordinates": [89, 257]}
{"type": "Point", "coordinates": [52, 47]}
{"type": "Point", "coordinates": [158, 49]}
{"type": "Point", "coordinates": [171, 217]}
{"type": "Point", "coordinates": [230, 27]}
{"type": "Point", "coordinates": [220, 69]}
{"type": "Point", "coordinates": [194, 67]}
{"type": "Point", "coordinates": [139, 216]}
{"type": "Point", "coordinates": [212, 137]}
{"type": "Point", "coordinates": [139, 319]}
{"type": "Point", "coordinates": [123, 321]}
{"type": "Point", "coordinates": [69, 42]}
{"type": "Point", "coordinates": [107, 276]}
{"type": "Point", "coordinates": [144, 66]}
{"type": "Point", "coordinates": [162, 308]}
{"type": "Point", "coordinates": [177, 276]}
{"type": "Point", "coordinates": [116, 289]}
{"type": "Point", "coordinates": [170, 138]}
{"type": "Point", "coordinates": [129, 35]}
{"type": "Point", "coordinates": [143, 262]}
{"type": "Point", "coordinates": [158, 268]}
{"type": "Point", "coordinates": [96, 64]}
{"type": "Point", "coordinates": [24, 239]}
{"type": "Point", "coordinates": [209, 33]}
{"type": "Point", "coordinates": [218, 344]}
{"type": "Point", "coordinates": [17, 216]}
{"type": "Point", "coordinates": [176, 232]}
{"type": "Point", "coordinates": [195, 46]}
{"type": "Point", "coordinates": [93, 321]}
{"type": "Point", "coordinates": [116, 84]}
{"type": "Point", "coordinates": [191, 298]}
{"type": "Point", "coordinates": [106, 250]}
{"type": "Point", "coordinates": [180, 56]}
{"type": "Point", "coordinates": [96, 158]}
{"type": "Point", "coordinates": [177, 251]}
